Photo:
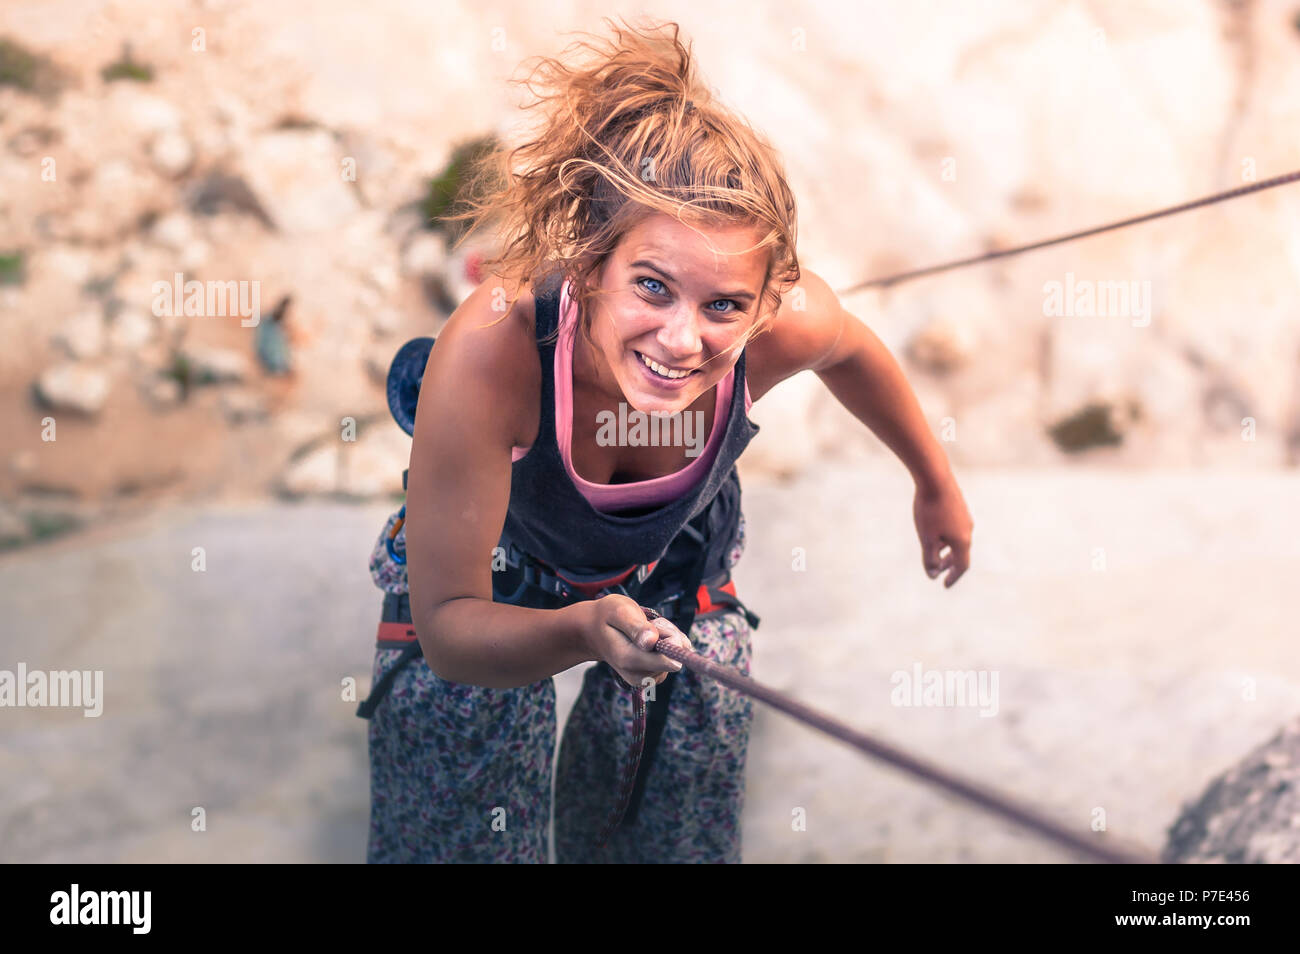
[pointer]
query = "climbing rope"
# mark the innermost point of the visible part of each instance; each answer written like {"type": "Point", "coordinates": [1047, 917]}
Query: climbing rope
{"type": "Point", "coordinates": [996, 802]}
{"type": "Point", "coordinates": [889, 280]}
{"type": "Point", "coordinates": [632, 763]}
{"type": "Point", "coordinates": [982, 795]}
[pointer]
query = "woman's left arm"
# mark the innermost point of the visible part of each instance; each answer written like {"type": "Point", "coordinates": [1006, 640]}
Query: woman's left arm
{"type": "Point", "coordinates": [815, 332]}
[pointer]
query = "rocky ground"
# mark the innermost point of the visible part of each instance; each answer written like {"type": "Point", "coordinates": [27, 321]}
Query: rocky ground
{"type": "Point", "coordinates": [1126, 680]}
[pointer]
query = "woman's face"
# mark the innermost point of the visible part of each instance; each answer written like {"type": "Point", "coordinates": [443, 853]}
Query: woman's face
{"type": "Point", "coordinates": [667, 297]}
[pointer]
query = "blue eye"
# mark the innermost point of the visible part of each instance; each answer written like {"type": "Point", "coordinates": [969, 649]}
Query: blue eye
{"type": "Point", "coordinates": [735, 306]}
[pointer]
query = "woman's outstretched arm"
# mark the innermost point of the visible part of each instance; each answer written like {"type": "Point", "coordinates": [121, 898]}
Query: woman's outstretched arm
{"type": "Point", "coordinates": [815, 332]}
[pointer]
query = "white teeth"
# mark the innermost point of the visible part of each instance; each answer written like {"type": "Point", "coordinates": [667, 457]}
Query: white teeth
{"type": "Point", "coordinates": [660, 370]}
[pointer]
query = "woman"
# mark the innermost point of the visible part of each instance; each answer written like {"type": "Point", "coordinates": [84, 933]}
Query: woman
{"type": "Point", "coordinates": [656, 236]}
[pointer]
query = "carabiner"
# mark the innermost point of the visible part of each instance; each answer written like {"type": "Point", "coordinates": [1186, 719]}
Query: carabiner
{"type": "Point", "coordinates": [391, 544]}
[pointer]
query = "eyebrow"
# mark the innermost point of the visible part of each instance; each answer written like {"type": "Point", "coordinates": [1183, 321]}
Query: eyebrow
{"type": "Point", "coordinates": [748, 296]}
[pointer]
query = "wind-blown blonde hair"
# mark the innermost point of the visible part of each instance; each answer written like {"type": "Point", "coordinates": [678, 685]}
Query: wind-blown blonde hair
{"type": "Point", "coordinates": [628, 130]}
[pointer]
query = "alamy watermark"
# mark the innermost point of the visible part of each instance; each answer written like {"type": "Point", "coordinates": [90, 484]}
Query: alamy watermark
{"type": "Point", "coordinates": [58, 688]}
{"type": "Point", "coordinates": [211, 299]}
{"type": "Point", "coordinates": [946, 688]}
{"type": "Point", "coordinates": [633, 428]}
{"type": "Point", "coordinates": [75, 907]}
{"type": "Point", "coordinates": [1085, 298]}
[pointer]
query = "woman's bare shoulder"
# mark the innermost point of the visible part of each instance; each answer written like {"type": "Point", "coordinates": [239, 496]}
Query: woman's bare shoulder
{"type": "Point", "coordinates": [807, 334]}
{"type": "Point", "coordinates": [491, 339]}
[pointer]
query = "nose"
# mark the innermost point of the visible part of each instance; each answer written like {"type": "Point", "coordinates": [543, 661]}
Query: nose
{"type": "Point", "coordinates": [680, 336]}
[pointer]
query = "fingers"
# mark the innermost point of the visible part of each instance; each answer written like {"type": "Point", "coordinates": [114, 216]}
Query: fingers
{"type": "Point", "coordinates": [665, 626]}
{"type": "Point", "coordinates": [669, 632]}
{"type": "Point", "coordinates": [956, 562]}
{"type": "Point", "coordinates": [630, 620]}
{"type": "Point", "coordinates": [670, 635]}
{"type": "Point", "coordinates": [640, 659]}
{"type": "Point", "coordinates": [636, 676]}
{"type": "Point", "coordinates": [667, 661]}
{"type": "Point", "coordinates": [931, 558]}
{"type": "Point", "coordinates": [953, 558]}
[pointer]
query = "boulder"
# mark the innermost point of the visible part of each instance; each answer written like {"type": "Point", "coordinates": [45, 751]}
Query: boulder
{"type": "Point", "coordinates": [172, 154]}
{"type": "Point", "coordinates": [425, 254]}
{"type": "Point", "coordinates": [1248, 815]}
{"type": "Point", "coordinates": [315, 473]}
{"type": "Point", "coordinates": [297, 177]}
{"type": "Point", "coordinates": [130, 329]}
{"type": "Point", "coordinates": [82, 335]}
{"type": "Point", "coordinates": [372, 465]}
{"type": "Point", "coordinates": [118, 197]}
{"type": "Point", "coordinates": [164, 392]}
{"type": "Point", "coordinates": [73, 386]}
{"type": "Point", "coordinates": [137, 111]}
{"type": "Point", "coordinates": [172, 231]}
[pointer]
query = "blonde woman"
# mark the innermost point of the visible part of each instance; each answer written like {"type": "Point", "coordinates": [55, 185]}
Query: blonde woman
{"type": "Point", "coordinates": [647, 241]}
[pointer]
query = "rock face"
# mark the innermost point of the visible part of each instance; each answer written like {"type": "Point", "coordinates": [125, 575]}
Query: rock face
{"type": "Point", "coordinates": [1172, 343]}
{"type": "Point", "coordinates": [1248, 815]}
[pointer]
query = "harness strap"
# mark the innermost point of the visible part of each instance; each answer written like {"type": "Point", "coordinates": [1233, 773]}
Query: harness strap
{"type": "Point", "coordinates": [396, 631]}
{"type": "Point", "coordinates": [569, 584]}
{"type": "Point", "coordinates": [380, 689]}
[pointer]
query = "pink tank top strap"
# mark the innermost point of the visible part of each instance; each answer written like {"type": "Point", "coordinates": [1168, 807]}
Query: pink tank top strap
{"type": "Point", "coordinates": [641, 493]}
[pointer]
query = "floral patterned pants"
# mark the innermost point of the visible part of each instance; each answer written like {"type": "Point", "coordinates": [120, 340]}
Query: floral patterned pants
{"type": "Point", "coordinates": [462, 773]}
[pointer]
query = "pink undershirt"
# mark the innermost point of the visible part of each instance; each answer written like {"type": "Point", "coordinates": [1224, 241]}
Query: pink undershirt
{"type": "Point", "coordinates": [641, 493]}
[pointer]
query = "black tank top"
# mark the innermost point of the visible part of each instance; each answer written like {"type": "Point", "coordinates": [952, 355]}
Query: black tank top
{"type": "Point", "coordinates": [551, 520]}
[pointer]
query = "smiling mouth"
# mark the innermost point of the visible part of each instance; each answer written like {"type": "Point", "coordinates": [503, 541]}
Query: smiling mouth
{"type": "Point", "coordinates": [668, 374]}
